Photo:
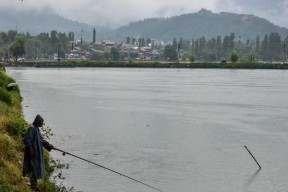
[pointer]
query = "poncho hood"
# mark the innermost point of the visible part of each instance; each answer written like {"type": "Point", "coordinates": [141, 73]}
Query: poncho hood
{"type": "Point", "coordinates": [38, 121]}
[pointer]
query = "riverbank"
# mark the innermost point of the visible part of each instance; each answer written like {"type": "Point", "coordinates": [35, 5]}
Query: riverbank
{"type": "Point", "coordinates": [153, 64]}
{"type": "Point", "coordinates": [12, 127]}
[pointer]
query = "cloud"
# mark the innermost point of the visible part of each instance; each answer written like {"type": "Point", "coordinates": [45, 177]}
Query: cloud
{"type": "Point", "coordinates": [116, 13]}
{"type": "Point", "coordinates": [275, 11]}
{"type": "Point", "coordinates": [120, 12]}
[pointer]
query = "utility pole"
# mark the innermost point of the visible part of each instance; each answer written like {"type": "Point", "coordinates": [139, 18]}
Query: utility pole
{"type": "Point", "coordinates": [252, 52]}
{"type": "Point", "coordinates": [81, 37]}
{"type": "Point", "coordinates": [216, 55]}
{"type": "Point", "coordinates": [59, 46]}
{"type": "Point", "coordinates": [284, 53]}
{"type": "Point", "coordinates": [178, 51]}
{"type": "Point", "coordinates": [220, 53]}
{"type": "Point", "coordinates": [72, 45]}
{"type": "Point", "coordinates": [94, 36]}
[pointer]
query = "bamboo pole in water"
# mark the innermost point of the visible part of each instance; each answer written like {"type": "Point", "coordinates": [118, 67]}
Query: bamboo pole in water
{"type": "Point", "coordinates": [253, 157]}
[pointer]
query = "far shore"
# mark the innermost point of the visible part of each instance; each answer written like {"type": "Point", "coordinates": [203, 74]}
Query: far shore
{"type": "Point", "coordinates": [150, 64]}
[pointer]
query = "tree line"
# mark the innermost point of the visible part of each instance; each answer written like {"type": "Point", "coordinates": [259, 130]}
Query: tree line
{"type": "Point", "coordinates": [272, 47]}
{"type": "Point", "coordinates": [42, 45]}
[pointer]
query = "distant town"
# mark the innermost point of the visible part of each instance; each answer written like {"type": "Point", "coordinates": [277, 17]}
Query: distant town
{"type": "Point", "coordinates": [131, 49]}
{"type": "Point", "coordinates": [57, 46]}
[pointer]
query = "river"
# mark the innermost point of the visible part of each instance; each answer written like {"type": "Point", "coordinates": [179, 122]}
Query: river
{"type": "Point", "coordinates": [179, 130]}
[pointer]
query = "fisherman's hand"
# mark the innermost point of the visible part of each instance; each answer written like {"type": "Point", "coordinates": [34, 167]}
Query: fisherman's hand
{"type": "Point", "coordinates": [50, 147]}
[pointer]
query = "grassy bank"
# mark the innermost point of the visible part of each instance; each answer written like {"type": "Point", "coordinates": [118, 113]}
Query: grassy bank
{"type": "Point", "coordinates": [158, 64]}
{"type": "Point", "coordinates": [12, 127]}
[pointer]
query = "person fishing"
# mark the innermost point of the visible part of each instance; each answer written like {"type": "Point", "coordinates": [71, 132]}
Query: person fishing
{"type": "Point", "coordinates": [34, 160]}
{"type": "Point", "coordinates": [34, 165]}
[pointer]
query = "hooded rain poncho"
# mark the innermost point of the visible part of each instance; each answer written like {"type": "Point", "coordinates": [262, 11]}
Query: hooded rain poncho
{"type": "Point", "coordinates": [34, 139]}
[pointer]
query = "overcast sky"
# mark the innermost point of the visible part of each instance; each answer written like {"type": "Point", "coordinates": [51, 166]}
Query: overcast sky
{"type": "Point", "coordinates": [114, 13]}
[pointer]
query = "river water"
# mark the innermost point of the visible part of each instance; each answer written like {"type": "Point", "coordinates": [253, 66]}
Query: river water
{"type": "Point", "coordinates": [179, 130]}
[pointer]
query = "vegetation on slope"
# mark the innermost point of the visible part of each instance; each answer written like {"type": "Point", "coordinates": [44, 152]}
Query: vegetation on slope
{"type": "Point", "coordinates": [12, 127]}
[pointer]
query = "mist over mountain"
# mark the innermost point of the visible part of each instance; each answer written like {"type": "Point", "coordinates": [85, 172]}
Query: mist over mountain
{"type": "Point", "coordinates": [38, 22]}
{"type": "Point", "coordinates": [203, 23]}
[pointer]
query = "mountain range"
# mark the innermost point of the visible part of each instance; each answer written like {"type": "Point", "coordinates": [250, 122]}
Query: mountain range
{"type": "Point", "coordinates": [195, 25]}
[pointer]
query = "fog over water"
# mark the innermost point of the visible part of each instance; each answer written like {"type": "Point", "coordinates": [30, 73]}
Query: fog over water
{"type": "Point", "coordinates": [179, 130]}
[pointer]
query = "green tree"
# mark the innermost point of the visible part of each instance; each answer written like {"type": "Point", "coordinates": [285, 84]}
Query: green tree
{"type": "Point", "coordinates": [141, 42]}
{"type": "Point", "coordinates": [2, 52]}
{"type": "Point", "coordinates": [53, 36]}
{"type": "Point", "coordinates": [193, 45]}
{"type": "Point", "coordinates": [202, 48]}
{"type": "Point", "coordinates": [98, 56]}
{"type": "Point", "coordinates": [234, 56]}
{"type": "Point", "coordinates": [191, 57]}
{"type": "Point", "coordinates": [11, 35]}
{"type": "Point", "coordinates": [170, 53]}
{"type": "Point", "coordinates": [218, 47]}
{"type": "Point", "coordinates": [32, 48]}
{"type": "Point", "coordinates": [174, 43]}
{"type": "Point", "coordinates": [43, 37]}
{"type": "Point", "coordinates": [196, 47]}
{"type": "Point", "coordinates": [3, 38]}
{"type": "Point", "coordinates": [18, 48]}
{"type": "Point", "coordinates": [226, 45]}
{"type": "Point", "coordinates": [71, 36]}
{"type": "Point", "coordinates": [232, 37]}
{"type": "Point", "coordinates": [181, 43]}
{"type": "Point", "coordinates": [115, 54]}
{"type": "Point", "coordinates": [133, 41]}
{"type": "Point", "coordinates": [264, 48]}
{"type": "Point", "coordinates": [275, 47]}
{"type": "Point", "coordinates": [128, 40]}
{"type": "Point", "coordinates": [186, 45]}
{"type": "Point", "coordinates": [286, 41]}
{"type": "Point", "coordinates": [257, 47]}
{"type": "Point", "coordinates": [212, 49]}
{"type": "Point", "coordinates": [251, 57]}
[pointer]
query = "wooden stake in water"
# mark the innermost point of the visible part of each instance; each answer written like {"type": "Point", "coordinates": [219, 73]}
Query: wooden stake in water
{"type": "Point", "coordinates": [253, 157]}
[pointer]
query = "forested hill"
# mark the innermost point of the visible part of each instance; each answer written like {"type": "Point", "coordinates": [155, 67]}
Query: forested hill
{"type": "Point", "coordinates": [35, 23]}
{"type": "Point", "coordinates": [196, 25]}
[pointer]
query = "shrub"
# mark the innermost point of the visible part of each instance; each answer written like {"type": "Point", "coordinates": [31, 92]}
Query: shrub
{"type": "Point", "coordinates": [5, 188]}
{"type": "Point", "coordinates": [17, 126]}
{"type": "Point", "coordinates": [3, 110]}
{"type": "Point", "coordinates": [5, 96]}
{"type": "Point", "coordinates": [2, 83]}
{"type": "Point", "coordinates": [6, 146]}
{"type": "Point", "coordinates": [6, 79]}
{"type": "Point", "coordinates": [191, 57]}
{"type": "Point", "coordinates": [234, 56]}
{"type": "Point", "coordinates": [223, 61]}
{"type": "Point", "coordinates": [9, 188]}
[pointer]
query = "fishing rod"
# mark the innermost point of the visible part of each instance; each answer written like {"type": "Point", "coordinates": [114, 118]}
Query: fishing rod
{"type": "Point", "coordinates": [106, 168]}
